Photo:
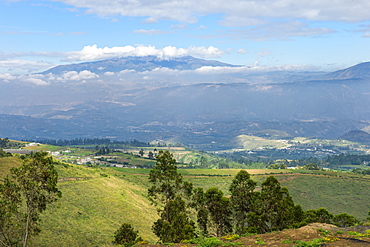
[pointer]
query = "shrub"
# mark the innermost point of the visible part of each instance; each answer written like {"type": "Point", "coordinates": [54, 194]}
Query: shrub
{"type": "Point", "coordinates": [345, 220]}
{"type": "Point", "coordinates": [205, 242]}
{"type": "Point", "coordinates": [126, 236]}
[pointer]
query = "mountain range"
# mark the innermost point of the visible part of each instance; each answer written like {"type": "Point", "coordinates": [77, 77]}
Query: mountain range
{"type": "Point", "coordinates": [187, 100]}
{"type": "Point", "coordinates": [139, 64]}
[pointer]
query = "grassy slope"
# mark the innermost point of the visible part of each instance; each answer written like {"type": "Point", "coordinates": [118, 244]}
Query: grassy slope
{"type": "Point", "coordinates": [337, 194]}
{"type": "Point", "coordinates": [92, 207]}
{"type": "Point", "coordinates": [6, 163]}
{"type": "Point", "coordinates": [90, 211]}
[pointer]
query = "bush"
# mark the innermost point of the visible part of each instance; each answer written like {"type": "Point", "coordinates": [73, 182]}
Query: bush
{"type": "Point", "coordinates": [345, 220]}
{"type": "Point", "coordinates": [126, 236]}
{"type": "Point", "coordinates": [210, 242]}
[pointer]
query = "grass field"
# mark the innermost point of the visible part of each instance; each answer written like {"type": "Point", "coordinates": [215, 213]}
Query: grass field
{"type": "Point", "coordinates": [6, 163]}
{"type": "Point", "coordinates": [94, 204]}
{"type": "Point", "coordinates": [255, 142]}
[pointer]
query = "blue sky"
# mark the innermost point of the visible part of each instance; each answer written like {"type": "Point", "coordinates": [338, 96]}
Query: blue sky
{"type": "Point", "coordinates": [305, 34]}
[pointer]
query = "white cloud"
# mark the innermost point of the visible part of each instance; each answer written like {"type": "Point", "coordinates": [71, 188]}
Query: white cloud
{"type": "Point", "coordinates": [36, 81]}
{"type": "Point", "coordinates": [252, 69]}
{"type": "Point", "coordinates": [93, 52]}
{"type": "Point", "coordinates": [108, 73]}
{"type": "Point", "coordinates": [241, 21]}
{"type": "Point", "coordinates": [78, 76]}
{"type": "Point", "coordinates": [249, 10]}
{"type": "Point", "coordinates": [277, 30]}
{"type": "Point", "coordinates": [41, 79]}
{"type": "Point", "coordinates": [366, 35]}
{"type": "Point", "coordinates": [7, 77]}
{"type": "Point", "coordinates": [242, 51]}
{"type": "Point", "coordinates": [23, 65]}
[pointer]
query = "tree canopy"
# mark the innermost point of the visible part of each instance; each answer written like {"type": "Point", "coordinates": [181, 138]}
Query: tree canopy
{"type": "Point", "coordinates": [24, 195]}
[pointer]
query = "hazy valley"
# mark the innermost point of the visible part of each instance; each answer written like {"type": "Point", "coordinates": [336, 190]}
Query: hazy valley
{"type": "Point", "coordinates": [196, 102]}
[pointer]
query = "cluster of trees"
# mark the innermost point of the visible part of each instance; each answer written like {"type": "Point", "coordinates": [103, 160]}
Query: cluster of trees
{"type": "Point", "coordinates": [4, 154]}
{"type": "Point", "coordinates": [308, 166]}
{"type": "Point", "coordinates": [327, 161]}
{"type": "Point", "coordinates": [245, 211]}
{"type": "Point", "coordinates": [103, 150]}
{"type": "Point", "coordinates": [202, 162]}
{"type": "Point", "coordinates": [151, 155]}
{"type": "Point", "coordinates": [103, 141]}
{"type": "Point", "coordinates": [347, 159]}
{"type": "Point", "coordinates": [6, 143]}
{"type": "Point", "coordinates": [332, 160]}
{"type": "Point", "coordinates": [361, 171]}
{"type": "Point", "coordinates": [24, 195]}
{"type": "Point", "coordinates": [93, 141]}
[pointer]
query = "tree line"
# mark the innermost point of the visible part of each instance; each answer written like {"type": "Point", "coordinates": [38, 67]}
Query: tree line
{"type": "Point", "coordinates": [185, 211]}
{"type": "Point", "coordinates": [6, 143]}
{"type": "Point", "coordinates": [92, 141]}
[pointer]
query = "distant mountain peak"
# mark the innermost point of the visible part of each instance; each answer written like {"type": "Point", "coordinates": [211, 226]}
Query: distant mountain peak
{"type": "Point", "coordinates": [361, 70]}
{"type": "Point", "coordinates": [356, 136]}
{"type": "Point", "coordinates": [145, 63]}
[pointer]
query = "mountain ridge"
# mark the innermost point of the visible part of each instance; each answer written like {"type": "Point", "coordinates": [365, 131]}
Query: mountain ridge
{"type": "Point", "coordinates": [360, 70]}
{"type": "Point", "coordinates": [145, 63]}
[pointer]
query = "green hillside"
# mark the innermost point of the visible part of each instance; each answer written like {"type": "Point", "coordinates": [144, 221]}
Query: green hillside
{"type": "Point", "coordinates": [96, 201]}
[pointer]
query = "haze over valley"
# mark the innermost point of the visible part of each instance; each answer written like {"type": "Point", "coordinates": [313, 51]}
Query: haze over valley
{"type": "Point", "coordinates": [183, 100]}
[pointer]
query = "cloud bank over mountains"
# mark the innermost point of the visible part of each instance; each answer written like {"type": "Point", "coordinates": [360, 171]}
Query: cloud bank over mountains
{"type": "Point", "coordinates": [12, 61]}
{"type": "Point", "coordinates": [163, 67]}
{"type": "Point", "coordinates": [93, 52]}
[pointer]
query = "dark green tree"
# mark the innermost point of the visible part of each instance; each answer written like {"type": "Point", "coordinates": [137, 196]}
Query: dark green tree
{"type": "Point", "coordinates": [141, 152]}
{"type": "Point", "coordinates": [274, 208]}
{"type": "Point", "coordinates": [167, 188]}
{"type": "Point", "coordinates": [242, 197]}
{"type": "Point", "coordinates": [321, 215]}
{"type": "Point", "coordinates": [10, 203]}
{"type": "Point", "coordinates": [166, 182]}
{"type": "Point", "coordinates": [311, 166]}
{"type": "Point", "coordinates": [202, 162]}
{"type": "Point", "coordinates": [4, 154]}
{"type": "Point", "coordinates": [345, 220]}
{"type": "Point", "coordinates": [298, 216]}
{"type": "Point", "coordinates": [150, 155]}
{"type": "Point", "coordinates": [219, 211]}
{"type": "Point", "coordinates": [199, 203]}
{"type": "Point", "coordinates": [126, 235]}
{"type": "Point", "coordinates": [24, 195]}
{"type": "Point", "coordinates": [174, 224]}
